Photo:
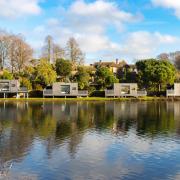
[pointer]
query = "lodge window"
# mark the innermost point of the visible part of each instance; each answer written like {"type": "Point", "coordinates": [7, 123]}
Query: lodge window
{"type": "Point", "coordinates": [125, 89]}
{"type": "Point", "coordinates": [4, 86]}
{"type": "Point", "coordinates": [65, 89]}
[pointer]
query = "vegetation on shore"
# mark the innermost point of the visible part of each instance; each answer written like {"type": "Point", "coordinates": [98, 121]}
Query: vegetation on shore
{"type": "Point", "coordinates": [89, 99]}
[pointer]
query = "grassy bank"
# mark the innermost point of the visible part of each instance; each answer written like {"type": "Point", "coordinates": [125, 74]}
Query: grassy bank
{"type": "Point", "coordinates": [89, 99]}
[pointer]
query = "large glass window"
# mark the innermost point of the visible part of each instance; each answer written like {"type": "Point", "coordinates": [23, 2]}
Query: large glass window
{"type": "Point", "coordinates": [125, 89]}
{"type": "Point", "coordinates": [65, 89]}
{"type": "Point", "coordinates": [4, 86]}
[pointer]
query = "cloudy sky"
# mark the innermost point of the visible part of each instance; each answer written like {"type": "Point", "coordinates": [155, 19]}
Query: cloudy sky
{"type": "Point", "coordinates": [104, 29]}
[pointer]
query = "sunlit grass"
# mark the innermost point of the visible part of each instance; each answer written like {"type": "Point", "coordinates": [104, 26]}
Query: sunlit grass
{"type": "Point", "coordinates": [148, 98]}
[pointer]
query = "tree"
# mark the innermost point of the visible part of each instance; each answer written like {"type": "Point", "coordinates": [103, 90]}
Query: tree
{"type": "Point", "coordinates": [26, 83]}
{"type": "Point", "coordinates": [82, 77]}
{"type": "Point", "coordinates": [48, 48]}
{"type": "Point", "coordinates": [163, 56]}
{"type": "Point", "coordinates": [155, 74]}
{"type": "Point", "coordinates": [6, 75]}
{"type": "Point", "coordinates": [45, 74]}
{"type": "Point", "coordinates": [52, 51]}
{"type": "Point", "coordinates": [4, 48]}
{"type": "Point", "coordinates": [58, 52]}
{"type": "Point", "coordinates": [74, 53]}
{"type": "Point", "coordinates": [20, 54]}
{"type": "Point", "coordinates": [127, 74]}
{"type": "Point", "coordinates": [104, 77]}
{"type": "Point", "coordinates": [177, 61]}
{"type": "Point", "coordinates": [63, 68]}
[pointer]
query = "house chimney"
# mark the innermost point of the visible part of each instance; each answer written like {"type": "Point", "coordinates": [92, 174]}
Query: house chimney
{"type": "Point", "coordinates": [117, 61]}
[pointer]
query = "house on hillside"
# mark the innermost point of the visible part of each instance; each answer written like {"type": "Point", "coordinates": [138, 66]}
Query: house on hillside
{"type": "Point", "coordinates": [113, 66]}
{"type": "Point", "coordinates": [61, 89]}
{"type": "Point", "coordinates": [124, 90]}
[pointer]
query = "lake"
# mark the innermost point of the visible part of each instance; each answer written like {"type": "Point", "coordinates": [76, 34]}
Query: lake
{"type": "Point", "coordinates": [89, 140]}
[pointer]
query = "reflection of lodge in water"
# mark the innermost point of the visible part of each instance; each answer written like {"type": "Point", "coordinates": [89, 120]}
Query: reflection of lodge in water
{"type": "Point", "coordinates": [61, 111]}
{"type": "Point", "coordinates": [123, 113]}
{"type": "Point", "coordinates": [173, 107]}
{"type": "Point", "coordinates": [12, 111]}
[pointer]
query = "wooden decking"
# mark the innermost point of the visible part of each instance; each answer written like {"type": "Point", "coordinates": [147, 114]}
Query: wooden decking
{"type": "Point", "coordinates": [112, 93]}
{"type": "Point", "coordinates": [23, 91]}
{"type": "Point", "coordinates": [49, 93]}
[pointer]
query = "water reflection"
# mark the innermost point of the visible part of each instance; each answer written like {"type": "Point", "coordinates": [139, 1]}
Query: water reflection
{"type": "Point", "coordinates": [40, 137]}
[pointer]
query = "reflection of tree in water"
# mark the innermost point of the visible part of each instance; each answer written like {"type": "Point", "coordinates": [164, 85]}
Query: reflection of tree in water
{"type": "Point", "coordinates": [59, 122]}
{"type": "Point", "coordinates": [150, 118]}
{"type": "Point", "coordinates": [155, 120]}
{"type": "Point", "coordinates": [16, 132]}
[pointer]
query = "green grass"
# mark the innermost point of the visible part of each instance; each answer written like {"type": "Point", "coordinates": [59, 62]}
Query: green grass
{"type": "Point", "coordinates": [87, 99]}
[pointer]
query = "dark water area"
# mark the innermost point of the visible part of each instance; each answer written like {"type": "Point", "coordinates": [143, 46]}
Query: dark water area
{"type": "Point", "coordinates": [90, 140]}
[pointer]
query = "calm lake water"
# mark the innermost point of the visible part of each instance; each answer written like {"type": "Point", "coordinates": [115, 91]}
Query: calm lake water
{"type": "Point", "coordinates": [90, 140]}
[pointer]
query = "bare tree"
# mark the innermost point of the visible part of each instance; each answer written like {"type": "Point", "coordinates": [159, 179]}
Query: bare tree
{"type": "Point", "coordinates": [20, 53]}
{"type": "Point", "coordinates": [52, 51]}
{"type": "Point", "coordinates": [174, 57]}
{"type": "Point", "coordinates": [74, 53]}
{"type": "Point", "coordinates": [58, 52]}
{"type": "Point", "coordinates": [4, 48]}
{"type": "Point", "coordinates": [15, 53]}
{"type": "Point", "coordinates": [163, 56]}
{"type": "Point", "coordinates": [177, 61]}
{"type": "Point", "coordinates": [47, 51]}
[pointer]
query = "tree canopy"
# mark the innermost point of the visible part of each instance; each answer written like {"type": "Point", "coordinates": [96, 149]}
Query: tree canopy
{"type": "Point", "coordinates": [82, 76]}
{"type": "Point", "coordinates": [155, 74]}
{"type": "Point", "coordinates": [45, 74]}
{"type": "Point", "coordinates": [63, 67]}
{"type": "Point", "coordinates": [104, 77]}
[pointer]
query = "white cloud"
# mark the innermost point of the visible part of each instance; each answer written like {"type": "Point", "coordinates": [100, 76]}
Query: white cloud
{"type": "Point", "coordinates": [143, 44]}
{"type": "Point", "coordinates": [96, 16]}
{"type": "Point", "coordinates": [89, 23]}
{"type": "Point", "coordinates": [19, 8]}
{"type": "Point", "coordinates": [170, 4]}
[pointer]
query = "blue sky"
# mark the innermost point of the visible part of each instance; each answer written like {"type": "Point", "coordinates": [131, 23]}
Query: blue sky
{"type": "Point", "coordinates": [104, 29]}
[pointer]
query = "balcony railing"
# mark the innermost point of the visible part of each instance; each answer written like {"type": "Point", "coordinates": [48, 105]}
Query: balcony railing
{"type": "Point", "coordinates": [170, 92]}
{"type": "Point", "coordinates": [142, 93]}
{"type": "Point", "coordinates": [83, 92]}
{"type": "Point", "coordinates": [23, 89]}
{"type": "Point", "coordinates": [109, 92]}
{"type": "Point", "coordinates": [47, 92]}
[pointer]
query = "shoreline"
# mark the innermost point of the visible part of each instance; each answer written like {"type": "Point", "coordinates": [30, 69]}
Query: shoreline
{"type": "Point", "coordinates": [93, 99]}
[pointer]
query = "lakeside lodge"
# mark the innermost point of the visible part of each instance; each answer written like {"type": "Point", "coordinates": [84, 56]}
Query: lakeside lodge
{"type": "Point", "coordinates": [174, 92]}
{"type": "Point", "coordinates": [61, 89]}
{"type": "Point", "coordinates": [125, 90]}
{"type": "Point", "coordinates": [12, 87]}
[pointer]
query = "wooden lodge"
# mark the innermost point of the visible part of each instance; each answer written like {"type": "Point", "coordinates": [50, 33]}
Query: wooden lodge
{"type": "Point", "coordinates": [124, 90]}
{"type": "Point", "coordinates": [8, 87]}
{"type": "Point", "coordinates": [61, 89]}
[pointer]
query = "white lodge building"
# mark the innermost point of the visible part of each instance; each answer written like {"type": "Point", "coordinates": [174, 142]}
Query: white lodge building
{"type": "Point", "coordinates": [61, 89]}
{"type": "Point", "coordinates": [174, 92]}
{"type": "Point", "coordinates": [125, 90]}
